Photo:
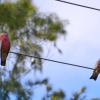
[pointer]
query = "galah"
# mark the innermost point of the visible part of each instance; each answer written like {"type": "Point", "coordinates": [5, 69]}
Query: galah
{"type": "Point", "coordinates": [96, 70]}
{"type": "Point", "coordinates": [4, 47]}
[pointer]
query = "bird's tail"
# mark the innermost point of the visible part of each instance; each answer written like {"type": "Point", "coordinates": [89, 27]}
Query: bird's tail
{"type": "Point", "coordinates": [94, 77]}
{"type": "Point", "coordinates": [3, 63]}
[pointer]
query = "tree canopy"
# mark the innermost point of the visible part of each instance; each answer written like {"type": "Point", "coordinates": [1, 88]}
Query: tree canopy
{"type": "Point", "coordinates": [27, 29]}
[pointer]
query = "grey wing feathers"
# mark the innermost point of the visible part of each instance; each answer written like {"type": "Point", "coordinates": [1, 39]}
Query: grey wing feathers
{"type": "Point", "coordinates": [95, 66]}
{"type": "Point", "coordinates": [0, 47]}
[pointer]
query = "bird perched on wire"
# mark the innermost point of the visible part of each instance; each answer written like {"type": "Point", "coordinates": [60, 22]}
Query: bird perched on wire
{"type": "Point", "coordinates": [4, 47]}
{"type": "Point", "coordinates": [96, 70]}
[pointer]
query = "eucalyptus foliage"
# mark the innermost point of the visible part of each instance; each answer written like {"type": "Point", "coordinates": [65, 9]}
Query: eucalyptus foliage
{"type": "Point", "coordinates": [26, 28]}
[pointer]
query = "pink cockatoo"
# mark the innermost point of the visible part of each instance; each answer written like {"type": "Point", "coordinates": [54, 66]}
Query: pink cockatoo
{"type": "Point", "coordinates": [4, 46]}
{"type": "Point", "coordinates": [96, 70]}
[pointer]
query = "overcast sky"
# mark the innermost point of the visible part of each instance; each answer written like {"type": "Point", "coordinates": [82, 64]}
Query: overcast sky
{"type": "Point", "coordinates": [81, 47]}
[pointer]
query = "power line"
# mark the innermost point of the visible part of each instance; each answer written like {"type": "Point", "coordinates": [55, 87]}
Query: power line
{"type": "Point", "coordinates": [47, 60]}
{"type": "Point", "coordinates": [43, 59]}
{"type": "Point", "coordinates": [78, 5]}
{"type": "Point", "coordinates": [51, 60]}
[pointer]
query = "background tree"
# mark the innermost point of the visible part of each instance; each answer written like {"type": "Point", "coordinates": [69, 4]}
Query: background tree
{"type": "Point", "coordinates": [27, 29]}
{"type": "Point", "coordinates": [95, 99]}
{"type": "Point", "coordinates": [60, 95]}
{"type": "Point", "coordinates": [54, 95]}
{"type": "Point", "coordinates": [79, 95]}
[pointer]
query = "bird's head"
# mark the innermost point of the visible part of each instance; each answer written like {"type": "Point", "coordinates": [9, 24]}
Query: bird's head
{"type": "Point", "coordinates": [3, 35]}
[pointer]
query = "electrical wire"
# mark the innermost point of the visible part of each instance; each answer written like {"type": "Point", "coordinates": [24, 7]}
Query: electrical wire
{"type": "Point", "coordinates": [44, 59]}
{"type": "Point", "coordinates": [78, 5]}
{"type": "Point", "coordinates": [47, 60]}
{"type": "Point", "coordinates": [51, 60]}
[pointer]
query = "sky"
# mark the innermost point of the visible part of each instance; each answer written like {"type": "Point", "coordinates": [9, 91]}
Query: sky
{"type": "Point", "coordinates": [81, 47]}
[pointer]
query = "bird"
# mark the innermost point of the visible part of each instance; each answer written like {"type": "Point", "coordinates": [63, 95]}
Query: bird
{"type": "Point", "coordinates": [96, 70]}
{"type": "Point", "coordinates": [4, 47]}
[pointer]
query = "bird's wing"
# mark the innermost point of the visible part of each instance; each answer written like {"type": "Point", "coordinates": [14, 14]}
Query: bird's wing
{"type": "Point", "coordinates": [96, 64]}
{"type": "Point", "coordinates": [0, 47]}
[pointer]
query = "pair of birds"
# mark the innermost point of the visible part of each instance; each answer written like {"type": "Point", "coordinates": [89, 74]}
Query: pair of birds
{"type": "Point", "coordinates": [5, 47]}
